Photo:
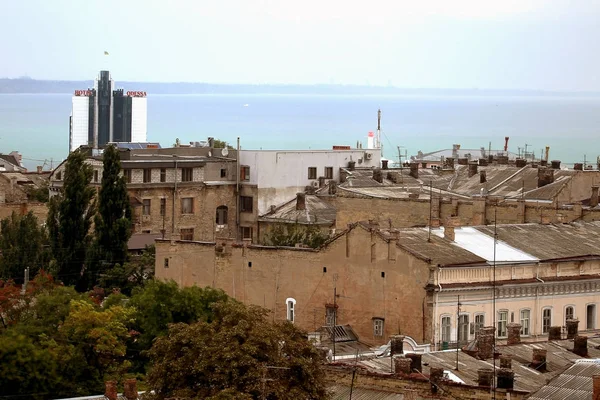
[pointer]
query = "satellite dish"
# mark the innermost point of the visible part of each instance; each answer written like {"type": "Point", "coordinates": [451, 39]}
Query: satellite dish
{"type": "Point", "coordinates": [210, 153]}
{"type": "Point", "coordinates": [224, 152]}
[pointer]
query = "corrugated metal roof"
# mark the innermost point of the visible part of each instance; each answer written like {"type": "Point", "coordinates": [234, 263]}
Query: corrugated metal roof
{"type": "Point", "coordinates": [482, 245]}
{"type": "Point", "coordinates": [575, 383]}
{"type": "Point", "coordinates": [342, 392]}
{"type": "Point", "coordinates": [317, 211]}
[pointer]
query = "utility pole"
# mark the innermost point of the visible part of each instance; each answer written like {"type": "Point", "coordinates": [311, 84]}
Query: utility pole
{"type": "Point", "coordinates": [334, 319]}
{"type": "Point", "coordinates": [430, 211]}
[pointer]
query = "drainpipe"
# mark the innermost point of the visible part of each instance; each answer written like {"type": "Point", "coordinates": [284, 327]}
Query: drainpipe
{"type": "Point", "coordinates": [237, 193]}
{"type": "Point", "coordinates": [174, 195]}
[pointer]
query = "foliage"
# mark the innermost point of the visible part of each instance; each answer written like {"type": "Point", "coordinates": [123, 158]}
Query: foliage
{"type": "Point", "coordinates": [39, 193]}
{"type": "Point", "coordinates": [22, 245]}
{"type": "Point", "coordinates": [220, 144]}
{"type": "Point", "coordinates": [112, 222]}
{"type": "Point", "coordinates": [69, 222]}
{"type": "Point", "coordinates": [291, 234]}
{"type": "Point", "coordinates": [132, 274]}
{"type": "Point", "coordinates": [240, 354]}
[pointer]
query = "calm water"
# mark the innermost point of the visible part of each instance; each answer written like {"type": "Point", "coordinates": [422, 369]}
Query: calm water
{"type": "Point", "coordinates": [37, 125]}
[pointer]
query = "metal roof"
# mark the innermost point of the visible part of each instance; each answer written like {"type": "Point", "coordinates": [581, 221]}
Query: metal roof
{"type": "Point", "coordinates": [317, 211]}
{"type": "Point", "coordinates": [575, 383]}
{"type": "Point", "coordinates": [342, 392]}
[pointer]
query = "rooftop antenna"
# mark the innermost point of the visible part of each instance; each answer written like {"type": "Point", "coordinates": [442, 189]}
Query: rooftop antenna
{"type": "Point", "coordinates": [430, 207]}
{"type": "Point", "coordinates": [379, 128]}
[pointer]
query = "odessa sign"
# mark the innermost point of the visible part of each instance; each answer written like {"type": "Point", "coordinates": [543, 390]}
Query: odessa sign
{"type": "Point", "coordinates": [136, 94]}
{"type": "Point", "coordinates": [83, 93]}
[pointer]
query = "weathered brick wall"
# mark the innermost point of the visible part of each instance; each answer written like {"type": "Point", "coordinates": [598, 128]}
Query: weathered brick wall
{"type": "Point", "coordinates": [370, 280]}
{"type": "Point", "coordinates": [40, 210]}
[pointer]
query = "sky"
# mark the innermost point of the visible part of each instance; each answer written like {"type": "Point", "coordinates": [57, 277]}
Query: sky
{"type": "Point", "coordinates": [486, 44]}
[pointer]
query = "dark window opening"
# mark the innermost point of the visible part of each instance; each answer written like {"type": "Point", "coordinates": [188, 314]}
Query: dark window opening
{"type": "Point", "coordinates": [328, 172]}
{"type": "Point", "coordinates": [223, 173]}
{"type": "Point", "coordinates": [163, 175]}
{"type": "Point", "coordinates": [147, 175]}
{"type": "Point", "coordinates": [187, 234]}
{"type": "Point", "coordinates": [312, 172]}
{"type": "Point", "coordinates": [187, 174]}
{"type": "Point", "coordinates": [245, 203]}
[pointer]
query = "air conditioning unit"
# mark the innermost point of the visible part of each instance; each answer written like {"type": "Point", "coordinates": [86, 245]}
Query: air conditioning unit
{"type": "Point", "coordinates": [368, 156]}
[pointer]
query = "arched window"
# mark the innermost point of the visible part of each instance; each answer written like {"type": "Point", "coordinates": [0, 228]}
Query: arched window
{"type": "Point", "coordinates": [569, 313]}
{"type": "Point", "coordinates": [291, 309]}
{"type": "Point", "coordinates": [222, 215]}
{"type": "Point", "coordinates": [546, 319]}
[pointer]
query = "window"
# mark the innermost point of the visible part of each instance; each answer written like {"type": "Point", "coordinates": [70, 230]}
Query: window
{"type": "Point", "coordinates": [163, 175]}
{"type": "Point", "coordinates": [223, 173]}
{"type": "Point", "coordinates": [291, 305]}
{"type": "Point", "coordinates": [246, 204]}
{"type": "Point", "coordinates": [446, 329]}
{"type": "Point", "coordinates": [244, 173]}
{"type": "Point", "coordinates": [146, 206]}
{"type": "Point", "coordinates": [330, 314]}
{"type": "Point", "coordinates": [147, 175]}
{"type": "Point", "coordinates": [187, 233]}
{"type": "Point", "coordinates": [312, 172]}
{"type": "Point", "coordinates": [187, 174]}
{"type": "Point", "coordinates": [479, 322]}
{"type": "Point", "coordinates": [546, 319]}
{"type": "Point", "coordinates": [378, 327]}
{"type": "Point", "coordinates": [525, 317]}
{"type": "Point", "coordinates": [463, 328]}
{"type": "Point", "coordinates": [127, 174]}
{"type": "Point", "coordinates": [590, 321]}
{"type": "Point", "coordinates": [246, 232]}
{"type": "Point", "coordinates": [569, 313]}
{"type": "Point", "coordinates": [166, 264]}
{"type": "Point", "coordinates": [95, 176]}
{"type": "Point", "coordinates": [163, 207]}
{"type": "Point", "coordinates": [502, 321]}
{"type": "Point", "coordinates": [222, 215]}
{"type": "Point", "coordinates": [187, 205]}
{"type": "Point", "coordinates": [328, 172]}
{"type": "Point", "coordinates": [146, 231]}
{"type": "Point", "coordinates": [59, 175]}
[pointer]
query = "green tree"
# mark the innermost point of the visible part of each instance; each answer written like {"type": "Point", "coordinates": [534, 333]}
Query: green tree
{"type": "Point", "coordinates": [132, 274]}
{"type": "Point", "coordinates": [69, 222]}
{"type": "Point", "coordinates": [291, 234]}
{"type": "Point", "coordinates": [38, 193]}
{"type": "Point", "coordinates": [221, 144]}
{"type": "Point", "coordinates": [113, 220]}
{"type": "Point", "coordinates": [22, 245]}
{"type": "Point", "coordinates": [231, 356]}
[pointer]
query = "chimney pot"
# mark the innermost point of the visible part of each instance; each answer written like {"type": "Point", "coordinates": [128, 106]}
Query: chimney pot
{"type": "Point", "coordinates": [332, 187]}
{"type": "Point", "coordinates": [384, 164]}
{"type": "Point", "coordinates": [485, 342]}
{"type": "Point", "coordinates": [300, 201]}
{"type": "Point", "coordinates": [463, 161]}
{"type": "Point", "coordinates": [555, 333]}
{"type": "Point", "coordinates": [472, 168]}
{"type": "Point", "coordinates": [397, 344]}
{"type": "Point", "coordinates": [572, 325]}
{"type": "Point", "coordinates": [506, 379]}
{"type": "Point", "coordinates": [39, 169]}
{"type": "Point", "coordinates": [110, 390]}
{"type": "Point", "coordinates": [520, 162]}
{"type": "Point", "coordinates": [555, 164]}
{"type": "Point", "coordinates": [351, 165]}
{"type": "Point", "coordinates": [538, 360]}
{"type": "Point", "coordinates": [506, 361]}
{"type": "Point", "coordinates": [514, 333]}
{"type": "Point", "coordinates": [130, 389]}
{"type": "Point", "coordinates": [378, 175]}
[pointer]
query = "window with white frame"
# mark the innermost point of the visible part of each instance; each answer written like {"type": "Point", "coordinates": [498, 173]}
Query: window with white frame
{"type": "Point", "coordinates": [546, 319]}
{"type": "Point", "coordinates": [502, 322]}
{"type": "Point", "coordinates": [291, 309]}
{"type": "Point", "coordinates": [463, 328]}
{"type": "Point", "coordinates": [446, 328]}
{"type": "Point", "coordinates": [525, 322]}
{"type": "Point", "coordinates": [378, 327]}
{"type": "Point", "coordinates": [569, 313]}
{"type": "Point", "coordinates": [479, 322]}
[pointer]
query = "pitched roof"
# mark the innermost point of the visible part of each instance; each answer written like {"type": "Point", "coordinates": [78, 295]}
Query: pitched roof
{"type": "Point", "coordinates": [317, 211]}
{"type": "Point", "coordinates": [575, 383]}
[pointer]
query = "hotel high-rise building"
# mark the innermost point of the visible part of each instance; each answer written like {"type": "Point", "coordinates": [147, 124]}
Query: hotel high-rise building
{"type": "Point", "coordinates": [105, 114]}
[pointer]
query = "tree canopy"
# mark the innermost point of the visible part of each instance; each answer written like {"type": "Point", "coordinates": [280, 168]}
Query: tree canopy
{"type": "Point", "coordinates": [291, 234]}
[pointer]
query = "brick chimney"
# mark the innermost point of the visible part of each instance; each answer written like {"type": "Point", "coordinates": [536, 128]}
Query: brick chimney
{"type": "Point", "coordinates": [506, 361]}
{"type": "Point", "coordinates": [514, 333]}
{"type": "Point", "coordinates": [520, 162]}
{"type": "Point", "coordinates": [485, 377]}
{"type": "Point", "coordinates": [332, 187]}
{"type": "Point", "coordinates": [596, 387]}
{"type": "Point", "coordinates": [397, 345]}
{"type": "Point", "coordinates": [555, 164]}
{"type": "Point", "coordinates": [485, 342]}
{"type": "Point", "coordinates": [538, 360]}
{"type": "Point", "coordinates": [110, 390]}
{"type": "Point", "coordinates": [555, 333]}
{"type": "Point", "coordinates": [402, 365]}
{"type": "Point", "coordinates": [472, 168]}
{"type": "Point", "coordinates": [130, 389]}
{"type": "Point", "coordinates": [384, 164]}
{"type": "Point", "coordinates": [414, 170]}
{"type": "Point", "coordinates": [378, 175]}
{"type": "Point", "coordinates": [415, 362]}
{"type": "Point", "coordinates": [506, 379]}
{"type": "Point", "coordinates": [39, 169]}
{"type": "Point", "coordinates": [300, 201]}
{"type": "Point", "coordinates": [594, 198]}
{"type": "Point", "coordinates": [449, 233]}
{"type": "Point", "coordinates": [578, 166]}
{"type": "Point", "coordinates": [580, 346]}
{"type": "Point", "coordinates": [572, 325]}
{"type": "Point", "coordinates": [545, 176]}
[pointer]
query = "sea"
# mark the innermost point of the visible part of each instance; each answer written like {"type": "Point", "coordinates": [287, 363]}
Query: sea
{"type": "Point", "coordinates": [37, 125]}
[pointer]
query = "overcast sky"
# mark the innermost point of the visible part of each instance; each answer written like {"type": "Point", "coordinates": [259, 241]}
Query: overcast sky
{"type": "Point", "coordinates": [504, 44]}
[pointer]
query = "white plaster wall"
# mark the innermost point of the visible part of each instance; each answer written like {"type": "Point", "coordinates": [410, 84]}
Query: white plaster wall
{"type": "Point", "coordinates": [80, 121]}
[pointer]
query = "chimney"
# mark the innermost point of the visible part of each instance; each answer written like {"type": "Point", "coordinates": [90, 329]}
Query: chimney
{"type": "Point", "coordinates": [485, 342]}
{"type": "Point", "coordinates": [378, 175]}
{"type": "Point", "coordinates": [39, 169]}
{"type": "Point", "coordinates": [130, 389]}
{"type": "Point", "coordinates": [596, 387]}
{"type": "Point", "coordinates": [503, 160]}
{"type": "Point", "coordinates": [300, 201]}
{"type": "Point", "coordinates": [546, 155]}
{"type": "Point", "coordinates": [555, 333]}
{"type": "Point", "coordinates": [482, 177]}
{"type": "Point", "coordinates": [594, 198]}
{"type": "Point", "coordinates": [110, 390]}
{"type": "Point", "coordinates": [397, 344]}
{"type": "Point", "coordinates": [211, 142]}
{"type": "Point", "coordinates": [506, 143]}
{"type": "Point", "coordinates": [545, 176]}
{"type": "Point", "coordinates": [449, 162]}
{"type": "Point", "coordinates": [436, 375]}
{"type": "Point", "coordinates": [580, 346]}
{"type": "Point", "coordinates": [485, 377]}
{"type": "Point", "coordinates": [472, 168]}
{"type": "Point", "coordinates": [351, 165]}
{"type": "Point", "coordinates": [415, 363]}
{"type": "Point", "coordinates": [506, 361]}
{"type": "Point", "coordinates": [414, 170]}
{"type": "Point", "coordinates": [555, 164]}
{"type": "Point", "coordinates": [402, 365]}
{"type": "Point", "coordinates": [506, 379]}
{"type": "Point", "coordinates": [538, 360]}
{"type": "Point", "coordinates": [578, 167]}
{"type": "Point", "coordinates": [384, 164]}
{"type": "Point", "coordinates": [520, 163]}
{"type": "Point", "coordinates": [483, 162]}
{"type": "Point", "coordinates": [463, 161]}
{"type": "Point", "coordinates": [449, 233]}
{"type": "Point", "coordinates": [332, 187]}
{"type": "Point", "coordinates": [572, 325]}
{"type": "Point", "coordinates": [514, 333]}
